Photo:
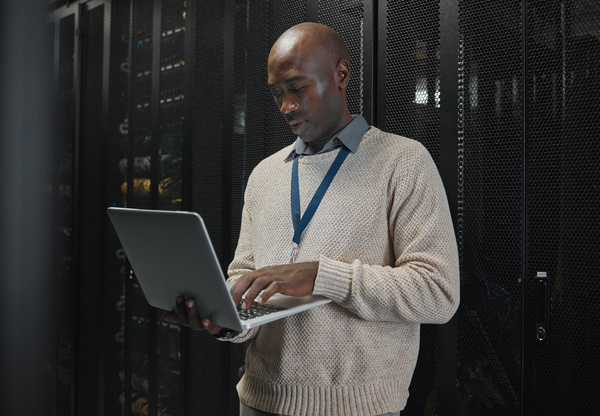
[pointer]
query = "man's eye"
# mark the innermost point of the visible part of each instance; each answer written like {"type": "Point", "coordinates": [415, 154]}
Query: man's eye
{"type": "Point", "coordinates": [297, 89]}
{"type": "Point", "coordinates": [276, 94]}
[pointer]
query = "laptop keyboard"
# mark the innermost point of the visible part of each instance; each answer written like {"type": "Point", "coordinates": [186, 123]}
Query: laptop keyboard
{"type": "Point", "coordinates": [256, 309]}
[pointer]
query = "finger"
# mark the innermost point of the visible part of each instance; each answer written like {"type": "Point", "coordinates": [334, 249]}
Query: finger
{"type": "Point", "coordinates": [208, 325]}
{"type": "Point", "coordinates": [181, 312]}
{"type": "Point", "coordinates": [236, 293]}
{"type": "Point", "coordinates": [272, 289]}
{"type": "Point", "coordinates": [241, 286]}
{"type": "Point", "coordinates": [193, 315]}
{"type": "Point", "coordinates": [170, 317]}
{"type": "Point", "coordinates": [257, 286]}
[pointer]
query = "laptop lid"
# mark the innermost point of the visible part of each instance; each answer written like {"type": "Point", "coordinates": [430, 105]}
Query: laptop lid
{"type": "Point", "coordinates": [171, 254]}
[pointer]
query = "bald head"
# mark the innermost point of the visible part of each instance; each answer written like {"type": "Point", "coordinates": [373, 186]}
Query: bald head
{"type": "Point", "coordinates": [311, 39]}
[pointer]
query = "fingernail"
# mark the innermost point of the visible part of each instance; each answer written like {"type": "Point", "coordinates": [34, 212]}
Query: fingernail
{"type": "Point", "coordinates": [259, 300]}
{"type": "Point", "coordinates": [244, 305]}
{"type": "Point", "coordinates": [190, 304]}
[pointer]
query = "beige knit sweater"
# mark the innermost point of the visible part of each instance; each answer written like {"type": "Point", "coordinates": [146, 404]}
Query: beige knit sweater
{"type": "Point", "coordinates": [388, 260]}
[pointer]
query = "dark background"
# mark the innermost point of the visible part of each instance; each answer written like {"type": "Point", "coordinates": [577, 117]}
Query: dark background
{"type": "Point", "coordinates": [163, 104]}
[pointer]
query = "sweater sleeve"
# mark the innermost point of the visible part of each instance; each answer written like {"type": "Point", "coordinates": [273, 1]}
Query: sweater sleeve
{"type": "Point", "coordinates": [423, 284]}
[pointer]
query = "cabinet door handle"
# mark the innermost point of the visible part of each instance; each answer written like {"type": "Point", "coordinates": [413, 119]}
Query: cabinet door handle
{"type": "Point", "coordinates": [542, 309]}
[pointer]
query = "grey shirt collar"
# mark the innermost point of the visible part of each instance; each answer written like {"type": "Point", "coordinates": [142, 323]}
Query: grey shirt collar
{"type": "Point", "coordinates": [350, 136]}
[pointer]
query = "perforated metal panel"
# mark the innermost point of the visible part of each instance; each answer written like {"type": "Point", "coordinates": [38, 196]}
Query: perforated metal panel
{"type": "Point", "coordinates": [258, 128]}
{"type": "Point", "coordinates": [411, 102]}
{"type": "Point", "coordinates": [491, 138]}
{"type": "Point", "coordinates": [206, 381]}
{"type": "Point", "coordinates": [208, 123]}
{"type": "Point", "coordinates": [412, 79]}
{"type": "Point", "coordinates": [282, 16]}
{"type": "Point", "coordinates": [347, 18]}
{"type": "Point", "coordinates": [562, 373]}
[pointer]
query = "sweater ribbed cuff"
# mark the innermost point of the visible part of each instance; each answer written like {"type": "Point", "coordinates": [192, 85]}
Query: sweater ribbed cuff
{"type": "Point", "coordinates": [333, 279]}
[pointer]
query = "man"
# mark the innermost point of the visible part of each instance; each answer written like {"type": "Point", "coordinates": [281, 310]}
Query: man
{"type": "Point", "coordinates": [380, 245]}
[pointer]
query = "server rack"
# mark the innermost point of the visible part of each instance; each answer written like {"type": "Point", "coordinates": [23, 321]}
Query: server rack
{"type": "Point", "coordinates": [503, 98]}
{"type": "Point", "coordinates": [153, 173]}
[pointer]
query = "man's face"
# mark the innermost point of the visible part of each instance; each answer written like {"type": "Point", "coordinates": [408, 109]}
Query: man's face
{"type": "Point", "coordinates": [306, 89]}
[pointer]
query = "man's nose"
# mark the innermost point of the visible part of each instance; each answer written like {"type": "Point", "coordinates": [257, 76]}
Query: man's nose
{"type": "Point", "coordinates": [288, 105]}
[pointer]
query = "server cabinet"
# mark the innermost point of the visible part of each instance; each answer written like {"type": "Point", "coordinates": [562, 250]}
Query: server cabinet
{"type": "Point", "coordinates": [521, 122]}
{"type": "Point", "coordinates": [562, 176]}
{"type": "Point", "coordinates": [164, 106]}
{"type": "Point", "coordinates": [152, 168]}
{"type": "Point", "coordinates": [492, 258]}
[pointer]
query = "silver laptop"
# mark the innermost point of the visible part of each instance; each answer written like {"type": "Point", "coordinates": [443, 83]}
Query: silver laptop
{"type": "Point", "coordinates": [171, 255]}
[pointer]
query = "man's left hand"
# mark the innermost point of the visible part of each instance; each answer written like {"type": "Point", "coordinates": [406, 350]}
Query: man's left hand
{"type": "Point", "coordinates": [296, 279]}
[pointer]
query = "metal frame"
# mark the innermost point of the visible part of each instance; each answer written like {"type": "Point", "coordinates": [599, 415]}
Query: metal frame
{"type": "Point", "coordinates": [129, 274]}
{"type": "Point", "coordinates": [58, 16]}
{"type": "Point", "coordinates": [228, 117]}
{"type": "Point", "coordinates": [105, 121]}
{"type": "Point", "coordinates": [525, 196]}
{"type": "Point", "coordinates": [449, 156]}
{"type": "Point", "coordinates": [190, 50]}
{"type": "Point", "coordinates": [370, 49]}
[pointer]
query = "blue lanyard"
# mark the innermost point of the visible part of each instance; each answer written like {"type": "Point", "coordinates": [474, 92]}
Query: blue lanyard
{"type": "Point", "coordinates": [301, 223]}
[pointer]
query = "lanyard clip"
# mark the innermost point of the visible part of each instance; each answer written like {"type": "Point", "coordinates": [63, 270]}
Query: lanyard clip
{"type": "Point", "coordinates": [294, 253]}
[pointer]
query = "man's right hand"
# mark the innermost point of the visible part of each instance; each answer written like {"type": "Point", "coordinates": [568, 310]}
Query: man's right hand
{"type": "Point", "coordinates": [187, 315]}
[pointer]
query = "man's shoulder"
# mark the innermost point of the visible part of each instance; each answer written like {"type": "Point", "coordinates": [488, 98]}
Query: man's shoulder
{"type": "Point", "coordinates": [391, 144]}
{"type": "Point", "coordinates": [274, 161]}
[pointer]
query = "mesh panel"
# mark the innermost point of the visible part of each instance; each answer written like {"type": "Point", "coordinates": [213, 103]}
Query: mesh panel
{"type": "Point", "coordinates": [346, 18]}
{"type": "Point", "coordinates": [208, 127]}
{"type": "Point", "coordinates": [206, 381]}
{"type": "Point", "coordinates": [249, 85]}
{"type": "Point", "coordinates": [259, 128]}
{"type": "Point", "coordinates": [490, 136]}
{"type": "Point", "coordinates": [206, 387]}
{"type": "Point", "coordinates": [563, 221]}
{"type": "Point", "coordinates": [412, 110]}
{"type": "Point", "coordinates": [412, 72]}
{"type": "Point", "coordinates": [282, 16]}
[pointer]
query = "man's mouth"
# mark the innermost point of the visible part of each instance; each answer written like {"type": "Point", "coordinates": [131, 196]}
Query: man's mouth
{"type": "Point", "coordinates": [297, 125]}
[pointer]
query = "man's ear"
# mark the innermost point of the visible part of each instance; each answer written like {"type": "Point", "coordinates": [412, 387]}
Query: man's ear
{"type": "Point", "coordinates": [343, 73]}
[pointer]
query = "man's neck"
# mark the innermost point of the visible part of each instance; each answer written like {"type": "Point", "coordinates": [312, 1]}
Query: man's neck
{"type": "Point", "coordinates": [317, 145]}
